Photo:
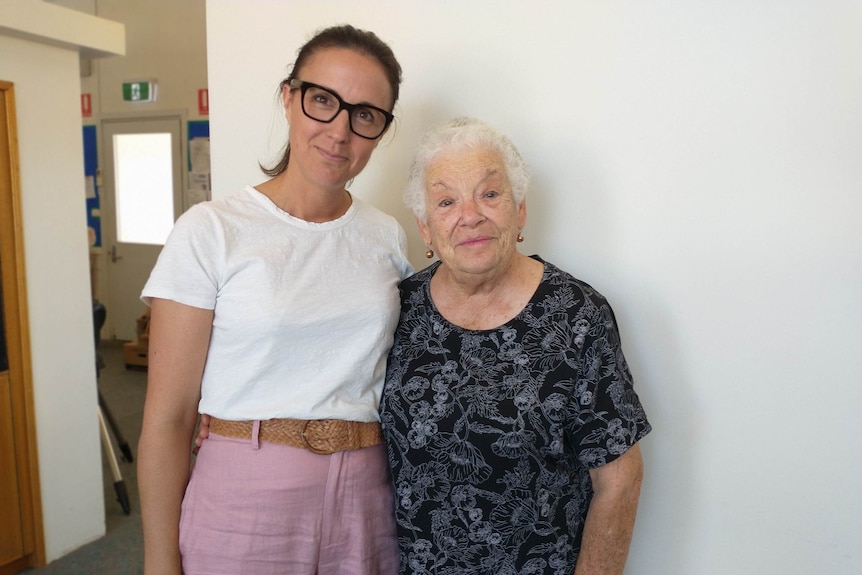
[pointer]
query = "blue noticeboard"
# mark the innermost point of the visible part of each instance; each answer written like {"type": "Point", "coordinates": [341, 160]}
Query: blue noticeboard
{"type": "Point", "coordinates": [198, 129]}
{"type": "Point", "coordinates": [91, 165]}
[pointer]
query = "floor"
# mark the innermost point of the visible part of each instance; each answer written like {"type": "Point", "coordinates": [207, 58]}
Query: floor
{"type": "Point", "coordinates": [120, 551]}
{"type": "Point", "coordinates": [123, 391]}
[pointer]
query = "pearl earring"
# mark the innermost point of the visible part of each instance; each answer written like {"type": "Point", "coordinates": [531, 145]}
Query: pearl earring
{"type": "Point", "coordinates": [520, 237]}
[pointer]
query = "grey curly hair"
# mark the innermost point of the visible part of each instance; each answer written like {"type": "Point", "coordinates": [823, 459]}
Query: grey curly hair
{"type": "Point", "coordinates": [463, 132]}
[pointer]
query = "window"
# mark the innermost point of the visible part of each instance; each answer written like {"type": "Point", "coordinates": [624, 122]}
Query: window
{"type": "Point", "coordinates": [143, 185]}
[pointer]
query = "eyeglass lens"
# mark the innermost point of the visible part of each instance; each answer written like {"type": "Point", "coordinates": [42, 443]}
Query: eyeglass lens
{"type": "Point", "coordinates": [322, 105]}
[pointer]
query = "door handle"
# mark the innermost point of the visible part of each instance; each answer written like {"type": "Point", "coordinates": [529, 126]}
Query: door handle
{"type": "Point", "coordinates": [114, 256]}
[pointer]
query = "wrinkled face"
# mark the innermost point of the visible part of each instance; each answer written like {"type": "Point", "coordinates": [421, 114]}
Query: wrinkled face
{"type": "Point", "coordinates": [472, 221]}
{"type": "Point", "coordinates": [329, 154]}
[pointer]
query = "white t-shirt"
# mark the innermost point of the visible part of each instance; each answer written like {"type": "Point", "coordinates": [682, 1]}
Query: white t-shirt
{"type": "Point", "coordinates": [304, 312]}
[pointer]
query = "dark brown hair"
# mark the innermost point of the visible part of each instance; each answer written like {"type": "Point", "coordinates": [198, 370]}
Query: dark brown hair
{"type": "Point", "coordinates": [343, 36]}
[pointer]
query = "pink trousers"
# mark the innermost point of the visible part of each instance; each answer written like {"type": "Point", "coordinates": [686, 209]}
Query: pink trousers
{"type": "Point", "coordinates": [263, 508]}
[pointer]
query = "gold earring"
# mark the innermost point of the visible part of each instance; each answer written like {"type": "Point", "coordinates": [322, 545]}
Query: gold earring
{"type": "Point", "coordinates": [520, 237]}
{"type": "Point", "coordinates": [429, 253]}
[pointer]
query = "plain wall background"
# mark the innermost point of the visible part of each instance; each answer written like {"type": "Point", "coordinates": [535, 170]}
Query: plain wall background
{"type": "Point", "coordinates": [47, 100]}
{"type": "Point", "coordinates": [699, 163]}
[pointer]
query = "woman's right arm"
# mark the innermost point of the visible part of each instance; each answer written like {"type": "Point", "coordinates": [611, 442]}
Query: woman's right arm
{"type": "Point", "coordinates": [179, 341]}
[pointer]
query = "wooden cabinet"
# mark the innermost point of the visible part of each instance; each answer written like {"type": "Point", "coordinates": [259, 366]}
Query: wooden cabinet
{"type": "Point", "coordinates": [21, 540]}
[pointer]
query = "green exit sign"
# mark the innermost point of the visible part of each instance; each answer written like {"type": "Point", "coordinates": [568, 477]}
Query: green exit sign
{"type": "Point", "coordinates": [139, 91]}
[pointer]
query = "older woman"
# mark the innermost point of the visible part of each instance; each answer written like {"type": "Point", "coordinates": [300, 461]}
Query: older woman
{"type": "Point", "coordinates": [508, 407]}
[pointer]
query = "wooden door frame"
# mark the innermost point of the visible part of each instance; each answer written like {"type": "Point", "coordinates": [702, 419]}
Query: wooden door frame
{"type": "Point", "coordinates": [18, 337]}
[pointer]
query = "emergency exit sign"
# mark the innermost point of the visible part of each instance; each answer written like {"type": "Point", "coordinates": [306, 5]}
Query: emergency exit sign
{"type": "Point", "coordinates": [139, 91]}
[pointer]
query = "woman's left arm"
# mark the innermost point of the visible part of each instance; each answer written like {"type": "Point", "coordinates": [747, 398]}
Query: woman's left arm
{"type": "Point", "coordinates": [611, 518]}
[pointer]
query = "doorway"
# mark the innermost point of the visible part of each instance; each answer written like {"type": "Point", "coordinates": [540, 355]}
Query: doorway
{"type": "Point", "coordinates": [142, 189]}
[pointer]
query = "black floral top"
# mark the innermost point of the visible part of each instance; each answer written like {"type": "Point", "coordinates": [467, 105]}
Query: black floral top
{"type": "Point", "coordinates": [491, 434]}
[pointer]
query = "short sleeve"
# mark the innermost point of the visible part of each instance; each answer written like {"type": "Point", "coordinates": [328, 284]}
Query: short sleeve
{"type": "Point", "coordinates": [191, 262]}
{"type": "Point", "coordinates": [607, 414]}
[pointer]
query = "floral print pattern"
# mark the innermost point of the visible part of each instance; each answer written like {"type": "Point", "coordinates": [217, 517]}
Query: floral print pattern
{"type": "Point", "coordinates": [491, 434]}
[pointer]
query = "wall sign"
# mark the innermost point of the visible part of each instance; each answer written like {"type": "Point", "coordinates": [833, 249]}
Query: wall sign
{"type": "Point", "coordinates": [139, 91]}
{"type": "Point", "coordinates": [86, 105]}
{"type": "Point", "coordinates": [203, 102]}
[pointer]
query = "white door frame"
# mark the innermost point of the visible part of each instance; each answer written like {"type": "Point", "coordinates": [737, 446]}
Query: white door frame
{"type": "Point", "coordinates": [121, 287]}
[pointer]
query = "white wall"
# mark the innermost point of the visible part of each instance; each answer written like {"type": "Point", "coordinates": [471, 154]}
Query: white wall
{"type": "Point", "coordinates": [700, 163]}
{"type": "Point", "coordinates": [47, 89]}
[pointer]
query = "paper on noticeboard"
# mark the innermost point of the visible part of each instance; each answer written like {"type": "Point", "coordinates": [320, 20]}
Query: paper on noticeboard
{"type": "Point", "coordinates": [199, 175]}
{"type": "Point", "coordinates": [199, 153]}
{"type": "Point", "coordinates": [199, 187]}
{"type": "Point", "coordinates": [90, 186]}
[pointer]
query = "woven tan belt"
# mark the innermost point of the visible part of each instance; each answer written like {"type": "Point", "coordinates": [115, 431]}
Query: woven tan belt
{"type": "Point", "coordinates": [323, 436]}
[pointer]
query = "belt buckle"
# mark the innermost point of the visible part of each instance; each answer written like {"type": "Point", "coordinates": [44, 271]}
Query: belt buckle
{"type": "Point", "coordinates": [307, 444]}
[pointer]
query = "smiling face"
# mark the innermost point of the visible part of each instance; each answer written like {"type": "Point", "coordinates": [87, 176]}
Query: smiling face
{"type": "Point", "coordinates": [472, 220]}
{"type": "Point", "coordinates": [327, 155]}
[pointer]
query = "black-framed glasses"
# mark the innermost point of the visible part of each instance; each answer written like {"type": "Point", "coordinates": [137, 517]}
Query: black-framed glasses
{"type": "Point", "coordinates": [323, 105]}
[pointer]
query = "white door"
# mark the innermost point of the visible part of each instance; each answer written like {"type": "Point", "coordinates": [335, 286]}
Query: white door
{"type": "Point", "coordinates": [142, 188]}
